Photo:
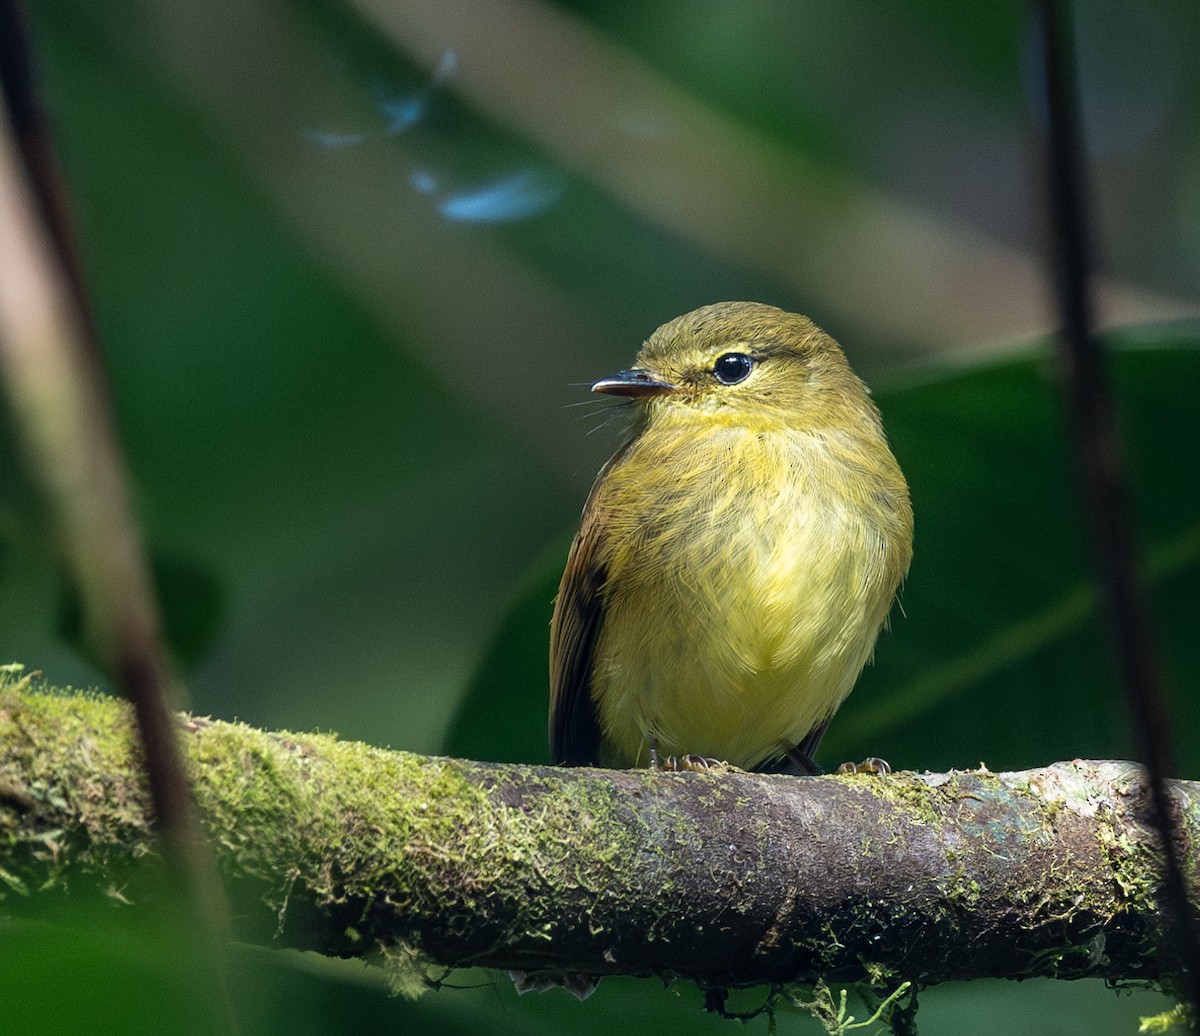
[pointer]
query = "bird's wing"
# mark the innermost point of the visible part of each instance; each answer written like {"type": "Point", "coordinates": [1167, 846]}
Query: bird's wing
{"type": "Point", "coordinates": [578, 617]}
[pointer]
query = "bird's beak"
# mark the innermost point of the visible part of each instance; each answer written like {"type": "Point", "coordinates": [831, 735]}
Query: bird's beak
{"type": "Point", "coordinates": [634, 383]}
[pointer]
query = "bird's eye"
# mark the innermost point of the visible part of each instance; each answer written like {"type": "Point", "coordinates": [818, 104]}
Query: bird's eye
{"type": "Point", "coordinates": [732, 368]}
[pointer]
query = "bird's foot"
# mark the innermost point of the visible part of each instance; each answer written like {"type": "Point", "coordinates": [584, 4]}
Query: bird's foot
{"type": "Point", "coordinates": [872, 765]}
{"type": "Point", "coordinates": [684, 763]}
{"type": "Point", "coordinates": [695, 764]}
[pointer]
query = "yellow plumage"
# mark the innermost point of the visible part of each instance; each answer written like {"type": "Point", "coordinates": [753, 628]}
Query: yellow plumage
{"type": "Point", "coordinates": [737, 556]}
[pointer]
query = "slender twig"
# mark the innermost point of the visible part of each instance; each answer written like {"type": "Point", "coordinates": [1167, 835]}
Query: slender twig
{"type": "Point", "coordinates": [1104, 479]}
{"type": "Point", "coordinates": [52, 370]}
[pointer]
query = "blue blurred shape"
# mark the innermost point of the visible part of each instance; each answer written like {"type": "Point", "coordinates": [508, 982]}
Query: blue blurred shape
{"type": "Point", "coordinates": [446, 67]}
{"type": "Point", "coordinates": [423, 181]}
{"type": "Point", "coordinates": [334, 141]}
{"type": "Point", "coordinates": [402, 113]}
{"type": "Point", "coordinates": [517, 196]}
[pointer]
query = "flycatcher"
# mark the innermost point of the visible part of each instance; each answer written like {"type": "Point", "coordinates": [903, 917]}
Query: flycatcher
{"type": "Point", "coordinates": [737, 555]}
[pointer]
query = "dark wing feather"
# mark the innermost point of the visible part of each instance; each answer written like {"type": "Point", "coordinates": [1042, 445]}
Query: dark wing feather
{"type": "Point", "coordinates": [578, 613]}
{"type": "Point", "coordinates": [798, 760]}
{"type": "Point", "coordinates": [578, 617]}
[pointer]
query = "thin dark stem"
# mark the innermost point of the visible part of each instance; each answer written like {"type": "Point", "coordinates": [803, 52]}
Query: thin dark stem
{"type": "Point", "coordinates": [139, 661]}
{"type": "Point", "coordinates": [100, 538]}
{"type": "Point", "coordinates": [1105, 483]}
{"type": "Point", "coordinates": [31, 129]}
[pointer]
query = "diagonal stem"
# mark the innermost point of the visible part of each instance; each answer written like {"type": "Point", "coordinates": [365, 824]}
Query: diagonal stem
{"type": "Point", "coordinates": [52, 370]}
{"type": "Point", "coordinates": [1105, 484]}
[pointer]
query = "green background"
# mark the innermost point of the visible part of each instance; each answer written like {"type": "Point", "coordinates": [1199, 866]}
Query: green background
{"type": "Point", "coordinates": [349, 419]}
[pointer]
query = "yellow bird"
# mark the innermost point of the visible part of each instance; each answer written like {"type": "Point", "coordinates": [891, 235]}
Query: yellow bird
{"type": "Point", "coordinates": [737, 556]}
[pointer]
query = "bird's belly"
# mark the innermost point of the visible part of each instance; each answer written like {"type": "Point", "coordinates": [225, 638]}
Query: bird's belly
{"type": "Point", "coordinates": [757, 634]}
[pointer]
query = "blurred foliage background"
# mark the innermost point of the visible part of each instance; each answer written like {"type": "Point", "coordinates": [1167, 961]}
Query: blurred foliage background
{"type": "Point", "coordinates": [354, 264]}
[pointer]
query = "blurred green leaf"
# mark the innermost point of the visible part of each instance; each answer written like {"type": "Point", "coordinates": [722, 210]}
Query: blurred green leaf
{"type": "Point", "coordinates": [190, 603]}
{"type": "Point", "coordinates": [999, 653]}
{"type": "Point", "coordinates": [498, 715]}
{"type": "Point", "coordinates": [101, 971]}
{"type": "Point", "coordinates": [129, 972]}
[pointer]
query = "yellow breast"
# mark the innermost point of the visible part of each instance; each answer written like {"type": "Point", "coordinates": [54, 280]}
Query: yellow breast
{"type": "Point", "coordinates": [747, 581]}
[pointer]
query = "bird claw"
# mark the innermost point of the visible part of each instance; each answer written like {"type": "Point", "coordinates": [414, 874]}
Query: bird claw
{"type": "Point", "coordinates": [872, 765]}
{"type": "Point", "coordinates": [701, 763]}
{"type": "Point", "coordinates": [692, 764]}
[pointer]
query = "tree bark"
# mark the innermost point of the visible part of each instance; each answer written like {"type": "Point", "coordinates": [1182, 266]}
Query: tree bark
{"type": "Point", "coordinates": [723, 877]}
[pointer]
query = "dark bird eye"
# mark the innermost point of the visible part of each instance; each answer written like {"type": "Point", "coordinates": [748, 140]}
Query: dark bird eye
{"type": "Point", "coordinates": [732, 368]}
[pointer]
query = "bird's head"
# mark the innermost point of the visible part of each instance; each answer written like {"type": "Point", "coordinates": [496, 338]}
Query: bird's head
{"type": "Point", "coordinates": [744, 363]}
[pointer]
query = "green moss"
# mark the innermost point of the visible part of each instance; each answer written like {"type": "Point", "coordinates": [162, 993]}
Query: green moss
{"type": "Point", "coordinates": [1178, 1017]}
{"type": "Point", "coordinates": [93, 738]}
{"type": "Point", "coordinates": [410, 973]}
{"type": "Point", "coordinates": [836, 1020]}
{"type": "Point", "coordinates": [905, 790]}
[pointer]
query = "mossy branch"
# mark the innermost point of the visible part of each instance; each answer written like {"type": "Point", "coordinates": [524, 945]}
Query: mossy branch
{"type": "Point", "coordinates": [726, 878]}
